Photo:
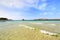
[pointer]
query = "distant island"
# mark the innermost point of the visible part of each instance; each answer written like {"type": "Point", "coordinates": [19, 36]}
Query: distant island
{"type": "Point", "coordinates": [4, 19]}
{"type": "Point", "coordinates": [47, 19]}
{"type": "Point", "coordinates": [42, 20]}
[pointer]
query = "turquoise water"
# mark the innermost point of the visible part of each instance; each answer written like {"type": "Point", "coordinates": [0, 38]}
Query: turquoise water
{"type": "Point", "coordinates": [44, 25]}
{"type": "Point", "coordinates": [17, 22]}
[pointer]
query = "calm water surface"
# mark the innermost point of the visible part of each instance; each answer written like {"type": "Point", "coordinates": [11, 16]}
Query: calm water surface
{"type": "Point", "coordinates": [55, 25]}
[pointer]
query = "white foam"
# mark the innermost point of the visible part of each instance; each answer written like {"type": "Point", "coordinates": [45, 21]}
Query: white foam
{"type": "Point", "coordinates": [26, 26]}
{"type": "Point", "coordinates": [47, 32]}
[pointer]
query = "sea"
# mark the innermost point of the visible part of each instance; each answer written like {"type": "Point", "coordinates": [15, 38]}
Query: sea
{"type": "Point", "coordinates": [55, 25]}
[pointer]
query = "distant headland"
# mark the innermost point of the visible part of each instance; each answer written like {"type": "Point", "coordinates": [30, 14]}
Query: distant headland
{"type": "Point", "coordinates": [42, 20]}
{"type": "Point", "coordinates": [4, 19]}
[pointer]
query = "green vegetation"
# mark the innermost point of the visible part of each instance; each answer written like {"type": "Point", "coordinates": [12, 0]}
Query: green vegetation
{"type": "Point", "coordinates": [42, 20]}
{"type": "Point", "coordinates": [3, 19]}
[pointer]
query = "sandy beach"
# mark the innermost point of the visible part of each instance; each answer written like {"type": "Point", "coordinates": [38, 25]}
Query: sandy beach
{"type": "Point", "coordinates": [25, 31]}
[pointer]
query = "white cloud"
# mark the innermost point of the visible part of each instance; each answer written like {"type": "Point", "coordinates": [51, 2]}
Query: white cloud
{"type": "Point", "coordinates": [19, 3]}
{"type": "Point", "coordinates": [45, 13]}
{"type": "Point", "coordinates": [42, 6]}
{"type": "Point", "coordinates": [53, 8]}
{"type": "Point", "coordinates": [48, 13]}
{"type": "Point", "coordinates": [3, 13]}
{"type": "Point", "coordinates": [23, 4]}
{"type": "Point", "coordinates": [10, 15]}
{"type": "Point", "coordinates": [51, 13]}
{"type": "Point", "coordinates": [12, 3]}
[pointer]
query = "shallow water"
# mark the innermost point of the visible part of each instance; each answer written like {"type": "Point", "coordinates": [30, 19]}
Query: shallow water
{"type": "Point", "coordinates": [47, 25]}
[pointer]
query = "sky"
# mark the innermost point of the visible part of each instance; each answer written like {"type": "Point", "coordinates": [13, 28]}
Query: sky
{"type": "Point", "coordinates": [30, 9]}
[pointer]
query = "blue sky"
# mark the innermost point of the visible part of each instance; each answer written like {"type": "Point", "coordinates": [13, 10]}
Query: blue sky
{"type": "Point", "coordinates": [30, 9]}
